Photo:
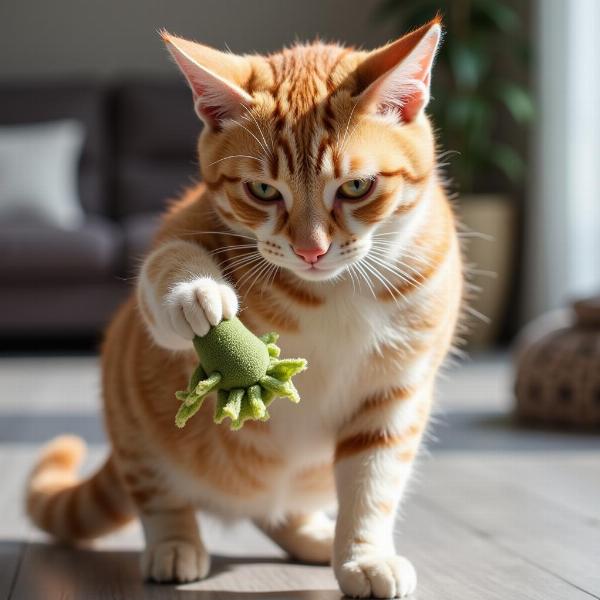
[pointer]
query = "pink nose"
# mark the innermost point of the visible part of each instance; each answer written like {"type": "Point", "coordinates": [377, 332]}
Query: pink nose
{"type": "Point", "coordinates": [311, 255]}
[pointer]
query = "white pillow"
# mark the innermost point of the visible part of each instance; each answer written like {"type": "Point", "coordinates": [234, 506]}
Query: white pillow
{"type": "Point", "coordinates": [39, 172]}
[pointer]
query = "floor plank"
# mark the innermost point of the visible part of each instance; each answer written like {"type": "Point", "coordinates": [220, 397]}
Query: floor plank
{"type": "Point", "coordinates": [557, 539]}
{"type": "Point", "coordinates": [10, 559]}
{"type": "Point", "coordinates": [453, 561]}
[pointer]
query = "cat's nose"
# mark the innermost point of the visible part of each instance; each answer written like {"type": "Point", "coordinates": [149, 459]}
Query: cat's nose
{"type": "Point", "coordinates": [311, 255]}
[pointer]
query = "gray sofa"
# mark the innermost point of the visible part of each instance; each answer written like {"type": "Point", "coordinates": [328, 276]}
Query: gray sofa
{"type": "Point", "coordinates": [139, 152]}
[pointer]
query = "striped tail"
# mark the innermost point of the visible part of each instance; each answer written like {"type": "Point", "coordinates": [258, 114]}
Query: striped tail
{"type": "Point", "coordinates": [67, 508]}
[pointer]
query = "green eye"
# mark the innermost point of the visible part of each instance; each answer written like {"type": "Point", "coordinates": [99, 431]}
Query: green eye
{"type": "Point", "coordinates": [355, 188]}
{"type": "Point", "coordinates": [263, 191]}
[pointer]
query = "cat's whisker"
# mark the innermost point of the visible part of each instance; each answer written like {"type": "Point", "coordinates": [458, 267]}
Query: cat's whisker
{"type": "Point", "coordinates": [349, 271]}
{"type": "Point", "coordinates": [235, 156]}
{"type": "Point", "coordinates": [232, 233]}
{"type": "Point", "coordinates": [476, 234]}
{"type": "Point", "coordinates": [385, 281]}
{"type": "Point", "coordinates": [249, 112]}
{"type": "Point", "coordinates": [242, 260]}
{"type": "Point", "coordinates": [264, 275]}
{"type": "Point", "coordinates": [222, 249]}
{"type": "Point", "coordinates": [348, 125]}
{"type": "Point", "coordinates": [250, 273]}
{"type": "Point", "coordinates": [393, 265]}
{"type": "Point", "coordinates": [266, 150]}
{"type": "Point", "coordinates": [406, 254]}
{"type": "Point", "coordinates": [396, 260]}
{"type": "Point", "coordinates": [239, 261]}
{"type": "Point", "coordinates": [258, 275]}
{"type": "Point", "coordinates": [398, 272]}
{"type": "Point", "coordinates": [350, 137]}
{"type": "Point", "coordinates": [365, 276]}
{"type": "Point", "coordinates": [270, 276]}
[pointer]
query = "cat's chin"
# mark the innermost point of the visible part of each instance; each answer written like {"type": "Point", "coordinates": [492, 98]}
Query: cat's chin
{"type": "Point", "coordinates": [318, 274]}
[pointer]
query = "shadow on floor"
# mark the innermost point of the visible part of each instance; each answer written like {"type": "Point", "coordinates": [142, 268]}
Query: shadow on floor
{"type": "Point", "coordinates": [53, 572]}
{"type": "Point", "coordinates": [454, 431]}
{"type": "Point", "coordinates": [499, 432]}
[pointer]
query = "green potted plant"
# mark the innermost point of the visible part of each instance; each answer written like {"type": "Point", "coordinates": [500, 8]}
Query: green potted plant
{"type": "Point", "coordinates": [477, 92]}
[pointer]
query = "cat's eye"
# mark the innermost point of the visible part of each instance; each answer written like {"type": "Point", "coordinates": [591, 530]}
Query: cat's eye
{"type": "Point", "coordinates": [263, 191]}
{"type": "Point", "coordinates": [355, 189]}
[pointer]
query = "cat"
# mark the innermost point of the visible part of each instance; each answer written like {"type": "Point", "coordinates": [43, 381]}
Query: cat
{"type": "Point", "coordinates": [321, 216]}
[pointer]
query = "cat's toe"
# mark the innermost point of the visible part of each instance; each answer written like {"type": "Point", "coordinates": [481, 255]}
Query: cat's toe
{"type": "Point", "coordinates": [175, 561]}
{"type": "Point", "coordinates": [377, 576]}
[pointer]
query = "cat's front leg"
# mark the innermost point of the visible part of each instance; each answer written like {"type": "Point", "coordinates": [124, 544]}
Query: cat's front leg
{"type": "Point", "coordinates": [374, 455]}
{"type": "Point", "coordinates": [182, 293]}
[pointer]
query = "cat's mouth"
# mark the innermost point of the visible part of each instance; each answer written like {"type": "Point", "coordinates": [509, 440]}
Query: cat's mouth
{"type": "Point", "coordinates": [318, 272]}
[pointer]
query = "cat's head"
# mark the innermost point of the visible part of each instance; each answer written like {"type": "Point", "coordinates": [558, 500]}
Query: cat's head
{"type": "Point", "coordinates": [318, 151]}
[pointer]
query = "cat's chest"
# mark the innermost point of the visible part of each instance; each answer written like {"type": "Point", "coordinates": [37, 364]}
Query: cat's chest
{"type": "Point", "coordinates": [335, 340]}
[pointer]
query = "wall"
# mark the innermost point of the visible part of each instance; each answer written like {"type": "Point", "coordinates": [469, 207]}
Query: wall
{"type": "Point", "coordinates": [111, 37]}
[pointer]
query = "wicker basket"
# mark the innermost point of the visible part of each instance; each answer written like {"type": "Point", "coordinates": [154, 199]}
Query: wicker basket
{"type": "Point", "coordinates": [558, 372]}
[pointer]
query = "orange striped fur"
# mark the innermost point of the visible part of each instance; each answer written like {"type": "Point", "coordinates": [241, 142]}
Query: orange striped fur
{"type": "Point", "coordinates": [374, 314]}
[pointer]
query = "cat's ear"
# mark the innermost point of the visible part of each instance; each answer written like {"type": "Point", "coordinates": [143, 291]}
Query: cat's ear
{"type": "Point", "coordinates": [215, 78]}
{"type": "Point", "coordinates": [397, 77]}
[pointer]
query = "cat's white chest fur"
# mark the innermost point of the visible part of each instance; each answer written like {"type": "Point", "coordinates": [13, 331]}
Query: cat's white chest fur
{"type": "Point", "coordinates": [335, 339]}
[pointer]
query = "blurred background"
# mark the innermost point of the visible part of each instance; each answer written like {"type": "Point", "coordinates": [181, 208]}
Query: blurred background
{"type": "Point", "coordinates": [515, 92]}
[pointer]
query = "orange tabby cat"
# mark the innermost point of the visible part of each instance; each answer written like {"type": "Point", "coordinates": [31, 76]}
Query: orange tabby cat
{"type": "Point", "coordinates": [323, 215]}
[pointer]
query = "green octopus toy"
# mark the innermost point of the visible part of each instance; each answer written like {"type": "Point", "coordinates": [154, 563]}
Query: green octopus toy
{"type": "Point", "coordinates": [245, 370]}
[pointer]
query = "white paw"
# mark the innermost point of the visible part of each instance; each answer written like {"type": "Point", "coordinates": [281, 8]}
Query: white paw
{"type": "Point", "coordinates": [313, 541]}
{"type": "Point", "coordinates": [193, 307]}
{"type": "Point", "coordinates": [378, 576]}
{"type": "Point", "coordinates": [175, 561]}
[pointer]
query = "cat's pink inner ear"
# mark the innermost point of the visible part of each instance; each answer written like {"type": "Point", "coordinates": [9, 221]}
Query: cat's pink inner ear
{"type": "Point", "coordinates": [397, 77]}
{"type": "Point", "coordinates": [215, 97]}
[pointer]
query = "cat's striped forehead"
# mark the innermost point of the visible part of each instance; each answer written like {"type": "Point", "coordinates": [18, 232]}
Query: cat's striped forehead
{"type": "Point", "coordinates": [304, 76]}
{"type": "Point", "coordinates": [304, 96]}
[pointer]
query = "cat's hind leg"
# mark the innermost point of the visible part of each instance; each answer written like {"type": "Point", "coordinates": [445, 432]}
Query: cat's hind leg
{"type": "Point", "coordinates": [174, 550]}
{"type": "Point", "coordinates": [305, 537]}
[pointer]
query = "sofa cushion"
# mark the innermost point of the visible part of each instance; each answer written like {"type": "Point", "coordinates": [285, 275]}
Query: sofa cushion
{"type": "Point", "coordinates": [42, 254]}
{"type": "Point", "coordinates": [22, 103]}
{"type": "Point", "coordinates": [156, 137]}
{"type": "Point", "coordinates": [138, 231]}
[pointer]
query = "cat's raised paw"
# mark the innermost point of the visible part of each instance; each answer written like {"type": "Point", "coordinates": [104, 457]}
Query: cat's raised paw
{"type": "Point", "coordinates": [377, 576]}
{"type": "Point", "coordinates": [193, 307]}
{"type": "Point", "coordinates": [175, 561]}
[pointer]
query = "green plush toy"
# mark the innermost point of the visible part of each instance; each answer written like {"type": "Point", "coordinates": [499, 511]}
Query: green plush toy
{"type": "Point", "coordinates": [245, 369]}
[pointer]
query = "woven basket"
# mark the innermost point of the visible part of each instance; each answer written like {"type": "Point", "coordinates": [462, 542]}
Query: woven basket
{"type": "Point", "coordinates": [558, 372]}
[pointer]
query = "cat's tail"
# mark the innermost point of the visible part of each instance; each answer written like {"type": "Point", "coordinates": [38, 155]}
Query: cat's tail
{"type": "Point", "coordinates": [72, 509]}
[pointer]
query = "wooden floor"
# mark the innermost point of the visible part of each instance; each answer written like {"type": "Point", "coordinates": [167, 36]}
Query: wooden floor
{"type": "Point", "coordinates": [495, 512]}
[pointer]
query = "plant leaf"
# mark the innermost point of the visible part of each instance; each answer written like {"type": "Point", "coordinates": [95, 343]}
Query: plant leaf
{"type": "Point", "coordinates": [500, 15]}
{"type": "Point", "coordinates": [509, 162]}
{"type": "Point", "coordinates": [517, 100]}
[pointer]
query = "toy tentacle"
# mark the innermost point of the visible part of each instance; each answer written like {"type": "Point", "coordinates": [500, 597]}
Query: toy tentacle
{"type": "Point", "coordinates": [203, 387]}
{"type": "Point", "coordinates": [187, 411]}
{"type": "Point", "coordinates": [286, 368]}
{"type": "Point", "coordinates": [196, 377]}
{"type": "Point", "coordinates": [257, 407]}
{"type": "Point", "coordinates": [281, 388]}
{"type": "Point", "coordinates": [229, 405]}
{"type": "Point", "coordinates": [207, 385]}
{"type": "Point", "coordinates": [273, 350]}
{"type": "Point", "coordinates": [269, 338]}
